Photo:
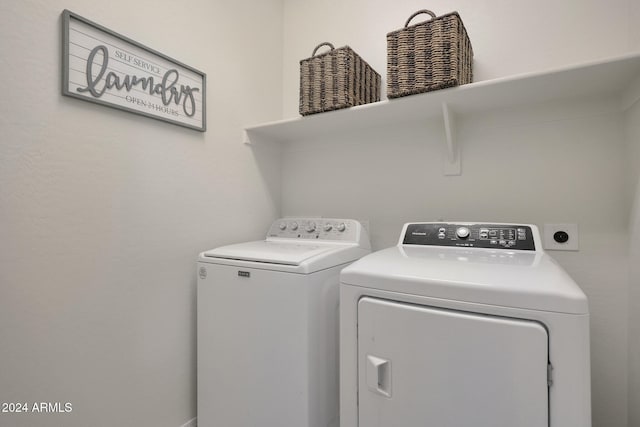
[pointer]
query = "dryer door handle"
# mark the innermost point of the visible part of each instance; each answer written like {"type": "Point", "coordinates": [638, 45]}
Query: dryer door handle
{"type": "Point", "coordinates": [379, 375]}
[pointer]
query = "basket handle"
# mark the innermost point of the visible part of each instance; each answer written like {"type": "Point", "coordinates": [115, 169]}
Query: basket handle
{"type": "Point", "coordinates": [433, 15]}
{"type": "Point", "coordinates": [320, 45]}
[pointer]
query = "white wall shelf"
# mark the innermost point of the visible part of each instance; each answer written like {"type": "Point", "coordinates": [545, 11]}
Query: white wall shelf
{"type": "Point", "coordinates": [618, 77]}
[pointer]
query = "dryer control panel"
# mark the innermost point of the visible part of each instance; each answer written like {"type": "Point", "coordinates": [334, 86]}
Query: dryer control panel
{"type": "Point", "coordinates": [470, 235]}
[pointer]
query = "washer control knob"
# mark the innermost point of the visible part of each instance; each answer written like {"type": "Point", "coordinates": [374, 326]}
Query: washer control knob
{"type": "Point", "coordinates": [327, 227]}
{"type": "Point", "coordinates": [311, 227]}
{"type": "Point", "coordinates": [341, 227]}
{"type": "Point", "coordinates": [294, 225]}
{"type": "Point", "coordinates": [283, 226]}
{"type": "Point", "coordinates": [463, 232]}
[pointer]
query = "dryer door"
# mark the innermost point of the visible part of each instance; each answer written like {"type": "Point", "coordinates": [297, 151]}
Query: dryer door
{"type": "Point", "coordinates": [423, 366]}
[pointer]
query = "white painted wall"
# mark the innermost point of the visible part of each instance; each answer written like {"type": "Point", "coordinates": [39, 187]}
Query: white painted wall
{"type": "Point", "coordinates": [102, 213]}
{"type": "Point", "coordinates": [634, 28]}
{"type": "Point", "coordinates": [545, 163]}
{"type": "Point", "coordinates": [632, 128]}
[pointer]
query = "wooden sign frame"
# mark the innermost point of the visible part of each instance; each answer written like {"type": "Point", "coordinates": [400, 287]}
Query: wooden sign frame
{"type": "Point", "coordinates": [107, 68]}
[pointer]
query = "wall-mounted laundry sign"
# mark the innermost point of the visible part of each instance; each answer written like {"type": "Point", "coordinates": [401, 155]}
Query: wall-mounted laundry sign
{"type": "Point", "coordinates": [101, 66]}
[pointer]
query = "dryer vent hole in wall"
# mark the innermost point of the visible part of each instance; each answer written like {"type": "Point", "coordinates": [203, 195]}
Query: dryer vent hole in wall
{"type": "Point", "coordinates": [561, 237]}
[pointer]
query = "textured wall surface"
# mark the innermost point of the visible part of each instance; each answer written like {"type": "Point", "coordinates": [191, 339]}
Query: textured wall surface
{"type": "Point", "coordinates": [102, 213]}
{"type": "Point", "coordinates": [632, 127]}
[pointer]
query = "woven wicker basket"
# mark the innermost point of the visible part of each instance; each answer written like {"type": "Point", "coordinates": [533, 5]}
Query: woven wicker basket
{"type": "Point", "coordinates": [431, 55]}
{"type": "Point", "coordinates": [336, 79]}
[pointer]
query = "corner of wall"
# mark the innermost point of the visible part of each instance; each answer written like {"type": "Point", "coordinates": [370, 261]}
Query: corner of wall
{"type": "Point", "coordinates": [283, 58]}
{"type": "Point", "coordinates": [634, 30]}
{"type": "Point", "coordinates": [191, 423]}
{"type": "Point", "coordinates": [632, 136]}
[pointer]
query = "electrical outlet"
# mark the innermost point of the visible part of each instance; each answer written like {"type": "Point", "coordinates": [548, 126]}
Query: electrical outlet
{"type": "Point", "coordinates": [561, 237]}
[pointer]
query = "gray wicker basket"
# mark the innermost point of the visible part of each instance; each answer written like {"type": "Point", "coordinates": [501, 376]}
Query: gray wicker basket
{"type": "Point", "coordinates": [431, 55]}
{"type": "Point", "coordinates": [336, 79]}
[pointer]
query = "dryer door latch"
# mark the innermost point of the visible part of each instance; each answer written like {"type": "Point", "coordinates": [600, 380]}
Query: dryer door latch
{"type": "Point", "coordinates": [379, 375]}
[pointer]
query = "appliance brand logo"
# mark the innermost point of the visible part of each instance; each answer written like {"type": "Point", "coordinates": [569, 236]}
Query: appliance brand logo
{"type": "Point", "coordinates": [244, 273]}
{"type": "Point", "coordinates": [202, 272]}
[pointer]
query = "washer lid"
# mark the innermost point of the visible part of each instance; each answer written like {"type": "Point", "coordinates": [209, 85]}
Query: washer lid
{"type": "Point", "coordinates": [273, 252]}
{"type": "Point", "coordinates": [517, 279]}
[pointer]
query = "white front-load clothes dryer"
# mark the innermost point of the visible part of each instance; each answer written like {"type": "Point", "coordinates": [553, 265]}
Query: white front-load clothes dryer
{"type": "Point", "coordinates": [463, 325]}
{"type": "Point", "coordinates": [267, 314]}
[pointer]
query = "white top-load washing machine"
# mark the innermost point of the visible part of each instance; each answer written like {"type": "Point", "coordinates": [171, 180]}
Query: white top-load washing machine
{"type": "Point", "coordinates": [268, 325]}
{"type": "Point", "coordinates": [463, 324]}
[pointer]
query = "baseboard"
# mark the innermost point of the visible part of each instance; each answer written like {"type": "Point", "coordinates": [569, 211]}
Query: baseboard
{"type": "Point", "coordinates": [191, 423]}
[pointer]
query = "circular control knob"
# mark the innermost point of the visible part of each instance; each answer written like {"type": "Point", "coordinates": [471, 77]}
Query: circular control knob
{"type": "Point", "coordinates": [341, 227]}
{"type": "Point", "coordinates": [327, 227]}
{"type": "Point", "coordinates": [294, 225]}
{"type": "Point", "coordinates": [311, 227]}
{"type": "Point", "coordinates": [463, 232]}
{"type": "Point", "coordinates": [283, 226]}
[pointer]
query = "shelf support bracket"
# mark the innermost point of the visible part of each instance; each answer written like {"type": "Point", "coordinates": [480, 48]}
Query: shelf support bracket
{"type": "Point", "coordinates": [452, 158]}
{"type": "Point", "coordinates": [245, 137]}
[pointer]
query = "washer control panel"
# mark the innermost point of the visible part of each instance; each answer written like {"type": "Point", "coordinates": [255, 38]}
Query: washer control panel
{"type": "Point", "coordinates": [343, 230]}
{"type": "Point", "coordinates": [489, 236]}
